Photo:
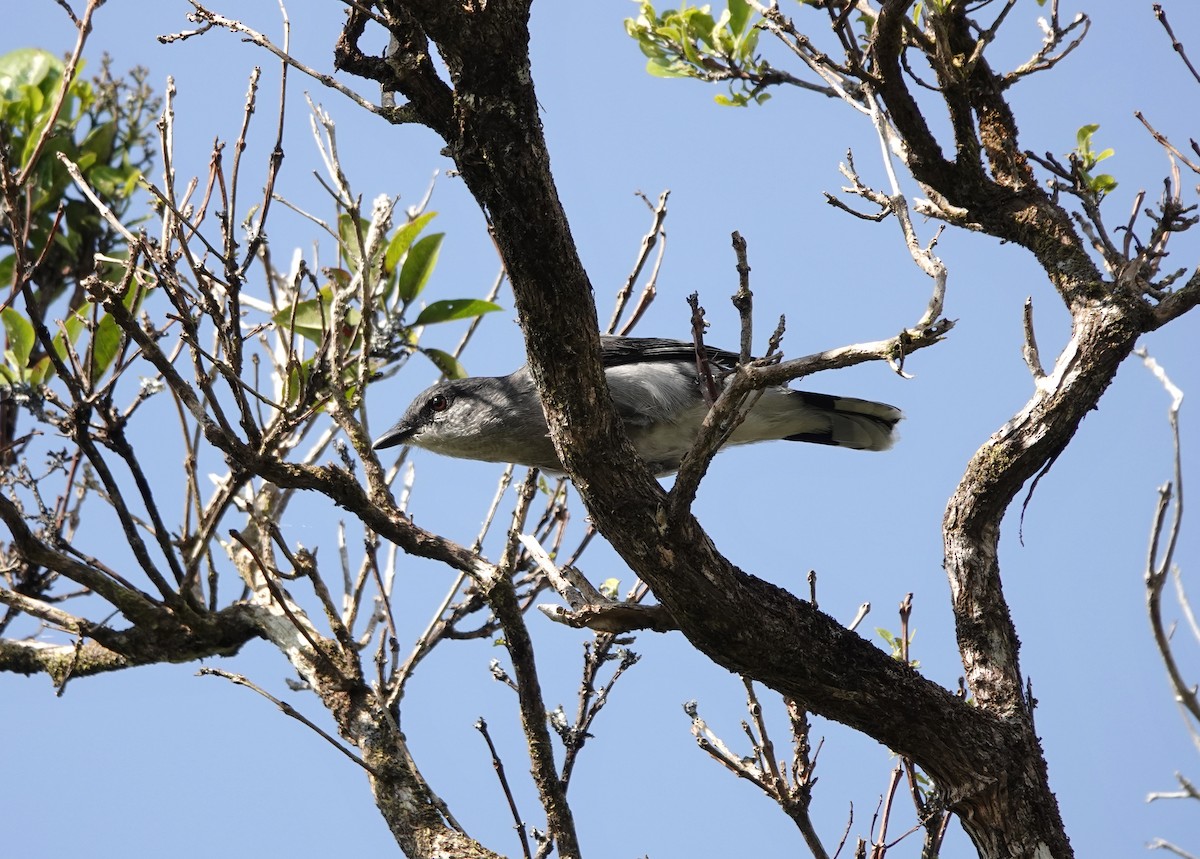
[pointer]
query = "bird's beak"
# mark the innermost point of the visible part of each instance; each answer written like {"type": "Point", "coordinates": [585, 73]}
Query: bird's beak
{"type": "Point", "coordinates": [399, 434]}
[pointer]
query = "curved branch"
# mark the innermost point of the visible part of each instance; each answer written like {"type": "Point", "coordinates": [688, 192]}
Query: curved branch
{"type": "Point", "coordinates": [1011, 206]}
{"type": "Point", "coordinates": [724, 612]}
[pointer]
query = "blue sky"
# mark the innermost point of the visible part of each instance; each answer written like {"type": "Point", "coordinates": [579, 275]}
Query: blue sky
{"type": "Point", "coordinates": [157, 759]}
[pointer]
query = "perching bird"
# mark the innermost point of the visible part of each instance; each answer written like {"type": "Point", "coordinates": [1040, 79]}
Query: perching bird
{"type": "Point", "coordinates": [658, 393]}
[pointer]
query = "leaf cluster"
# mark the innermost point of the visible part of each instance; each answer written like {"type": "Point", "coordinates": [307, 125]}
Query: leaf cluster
{"type": "Point", "coordinates": [690, 43]}
{"type": "Point", "coordinates": [101, 126]}
{"type": "Point", "coordinates": [1087, 158]}
{"type": "Point", "coordinates": [399, 268]}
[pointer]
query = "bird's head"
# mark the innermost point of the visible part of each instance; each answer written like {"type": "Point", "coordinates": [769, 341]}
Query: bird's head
{"type": "Point", "coordinates": [454, 418]}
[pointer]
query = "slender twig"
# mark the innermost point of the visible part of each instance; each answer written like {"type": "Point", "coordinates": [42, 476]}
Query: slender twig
{"type": "Point", "coordinates": [285, 604]}
{"type": "Point", "coordinates": [656, 235]}
{"type": "Point", "coordinates": [1161, 553]}
{"type": "Point", "coordinates": [879, 848]}
{"type": "Point", "coordinates": [94, 198]}
{"type": "Point", "coordinates": [84, 27]}
{"type": "Point", "coordinates": [501, 597]}
{"type": "Point", "coordinates": [1030, 350]}
{"type": "Point", "coordinates": [211, 19]}
{"type": "Point", "coordinates": [498, 766]}
{"type": "Point", "coordinates": [1166, 144]}
{"type": "Point", "coordinates": [743, 299]}
{"type": "Point", "coordinates": [860, 615]}
{"type": "Point", "coordinates": [288, 710]}
{"type": "Point", "coordinates": [1177, 46]}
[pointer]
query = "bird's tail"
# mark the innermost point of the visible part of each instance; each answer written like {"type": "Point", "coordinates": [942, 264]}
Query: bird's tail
{"type": "Point", "coordinates": [846, 421]}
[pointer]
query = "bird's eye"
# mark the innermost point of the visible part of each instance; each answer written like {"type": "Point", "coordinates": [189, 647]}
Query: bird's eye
{"type": "Point", "coordinates": [438, 403]}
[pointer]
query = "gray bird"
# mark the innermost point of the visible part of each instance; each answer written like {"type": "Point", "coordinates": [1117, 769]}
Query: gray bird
{"type": "Point", "coordinates": [658, 394]}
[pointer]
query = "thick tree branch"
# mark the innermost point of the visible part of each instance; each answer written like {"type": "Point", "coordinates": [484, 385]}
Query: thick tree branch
{"type": "Point", "coordinates": [171, 641]}
{"type": "Point", "coordinates": [726, 613]}
{"type": "Point", "coordinates": [1010, 204]}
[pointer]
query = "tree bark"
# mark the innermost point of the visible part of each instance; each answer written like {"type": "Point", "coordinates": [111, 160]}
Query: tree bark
{"type": "Point", "coordinates": [984, 755]}
{"type": "Point", "coordinates": [988, 764]}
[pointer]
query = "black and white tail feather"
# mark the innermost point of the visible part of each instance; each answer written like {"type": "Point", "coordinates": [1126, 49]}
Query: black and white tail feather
{"type": "Point", "coordinates": [658, 393]}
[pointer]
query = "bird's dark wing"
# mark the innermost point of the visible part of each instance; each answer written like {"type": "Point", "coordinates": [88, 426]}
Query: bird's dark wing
{"type": "Point", "coordinates": [616, 351]}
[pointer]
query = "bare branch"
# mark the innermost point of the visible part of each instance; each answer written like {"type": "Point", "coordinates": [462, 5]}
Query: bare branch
{"type": "Point", "coordinates": [656, 235]}
{"type": "Point", "coordinates": [209, 19]}
{"type": "Point", "coordinates": [498, 766]}
{"type": "Point", "coordinates": [288, 710]}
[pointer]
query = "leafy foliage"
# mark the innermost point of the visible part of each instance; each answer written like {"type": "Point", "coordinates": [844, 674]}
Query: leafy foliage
{"type": "Point", "coordinates": [396, 269]}
{"type": "Point", "coordinates": [690, 43]}
{"type": "Point", "coordinates": [102, 127]}
{"type": "Point", "coordinates": [1087, 158]}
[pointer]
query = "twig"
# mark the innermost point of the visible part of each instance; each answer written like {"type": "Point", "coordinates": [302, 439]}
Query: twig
{"type": "Point", "coordinates": [792, 799]}
{"type": "Point", "coordinates": [1166, 144]}
{"type": "Point", "coordinates": [288, 710]}
{"type": "Point", "coordinates": [592, 701]}
{"type": "Point", "coordinates": [498, 766]}
{"type": "Point", "coordinates": [879, 848]}
{"type": "Point", "coordinates": [1161, 16]}
{"type": "Point", "coordinates": [84, 27]}
{"type": "Point", "coordinates": [209, 19]}
{"type": "Point", "coordinates": [285, 604]}
{"type": "Point", "coordinates": [1156, 569]}
{"type": "Point", "coordinates": [1030, 350]}
{"type": "Point", "coordinates": [501, 597]}
{"type": "Point", "coordinates": [743, 299]}
{"type": "Point", "coordinates": [1160, 844]}
{"type": "Point", "coordinates": [863, 611]}
{"type": "Point", "coordinates": [94, 198]}
{"type": "Point", "coordinates": [652, 238]}
{"type": "Point", "coordinates": [905, 614]}
{"type": "Point", "coordinates": [704, 371]}
{"type": "Point", "coordinates": [574, 588]}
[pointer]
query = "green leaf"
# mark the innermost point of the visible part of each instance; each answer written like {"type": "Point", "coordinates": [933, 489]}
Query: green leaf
{"type": "Point", "coordinates": [1083, 136]}
{"type": "Point", "coordinates": [39, 371]}
{"type": "Point", "coordinates": [734, 99]}
{"type": "Point", "coordinates": [739, 15]}
{"type": "Point", "coordinates": [341, 279]}
{"type": "Point", "coordinates": [107, 340]}
{"type": "Point", "coordinates": [105, 344]}
{"type": "Point", "coordinates": [418, 265]}
{"type": "Point", "coordinates": [748, 45]}
{"type": "Point", "coordinates": [28, 67]}
{"type": "Point", "coordinates": [402, 240]}
{"type": "Point", "coordinates": [610, 588]}
{"type": "Point", "coordinates": [446, 362]}
{"type": "Point", "coordinates": [8, 267]}
{"type": "Point", "coordinates": [667, 69]}
{"type": "Point", "coordinates": [99, 142]}
{"type": "Point", "coordinates": [20, 337]}
{"type": "Point", "coordinates": [298, 377]}
{"type": "Point", "coordinates": [455, 308]}
{"type": "Point", "coordinates": [72, 326]}
{"type": "Point", "coordinates": [348, 240]}
{"type": "Point", "coordinates": [1102, 184]}
{"type": "Point", "coordinates": [68, 333]}
{"type": "Point", "coordinates": [311, 318]}
{"type": "Point", "coordinates": [110, 182]}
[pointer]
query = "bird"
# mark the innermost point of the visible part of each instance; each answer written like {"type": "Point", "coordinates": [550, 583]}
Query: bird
{"type": "Point", "coordinates": [659, 395]}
